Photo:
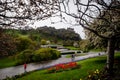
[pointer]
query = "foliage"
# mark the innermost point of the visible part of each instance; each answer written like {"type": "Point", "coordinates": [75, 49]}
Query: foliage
{"type": "Point", "coordinates": [14, 77]}
{"type": "Point", "coordinates": [34, 37]}
{"type": "Point", "coordinates": [7, 44]}
{"type": "Point", "coordinates": [45, 54]}
{"type": "Point", "coordinates": [66, 35]}
{"type": "Point", "coordinates": [28, 56]}
{"type": "Point", "coordinates": [24, 43]}
{"type": "Point", "coordinates": [85, 45]}
{"type": "Point", "coordinates": [68, 43]}
{"type": "Point", "coordinates": [12, 32]}
{"type": "Point", "coordinates": [24, 57]}
{"type": "Point", "coordinates": [53, 35]}
{"type": "Point", "coordinates": [43, 42]}
{"type": "Point", "coordinates": [96, 41]}
{"type": "Point", "coordinates": [55, 54]}
{"type": "Point", "coordinates": [95, 75]}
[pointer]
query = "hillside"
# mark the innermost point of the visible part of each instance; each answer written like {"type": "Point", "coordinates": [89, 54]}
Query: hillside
{"type": "Point", "coordinates": [59, 36]}
{"type": "Point", "coordinates": [62, 34]}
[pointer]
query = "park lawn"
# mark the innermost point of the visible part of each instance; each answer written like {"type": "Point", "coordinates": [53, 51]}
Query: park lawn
{"type": "Point", "coordinates": [96, 50]}
{"type": "Point", "coordinates": [71, 47]}
{"type": "Point", "coordinates": [7, 62]}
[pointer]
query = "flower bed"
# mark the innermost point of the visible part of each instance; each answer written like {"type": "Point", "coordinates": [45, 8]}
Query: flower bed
{"type": "Point", "coordinates": [63, 67]}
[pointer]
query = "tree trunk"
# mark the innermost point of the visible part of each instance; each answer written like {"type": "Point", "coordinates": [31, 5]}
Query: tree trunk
{"type": "Point", "coordinates": [110, 55]}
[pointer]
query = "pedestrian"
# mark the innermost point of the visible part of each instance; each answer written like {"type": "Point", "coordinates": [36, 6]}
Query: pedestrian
{"type": "Point", "coordinates": [25, 67]}
{"type": "Point", "coordinates": [72, 57]}
{"type": "Point", "coordinates": [99, 54]}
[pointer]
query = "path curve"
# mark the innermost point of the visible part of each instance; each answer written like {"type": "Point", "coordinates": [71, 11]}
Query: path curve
{"type": "Point", "coordinates": [12, 71]}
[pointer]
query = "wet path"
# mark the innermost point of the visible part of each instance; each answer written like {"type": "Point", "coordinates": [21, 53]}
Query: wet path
{"type": "Point", "coordinates": [12, 71]}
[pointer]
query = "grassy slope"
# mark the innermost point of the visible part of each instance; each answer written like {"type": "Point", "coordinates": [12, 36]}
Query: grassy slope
{"type": "Point", "coordinates": [87, 65]}
{"type": "Point", "coordinates": [7, 62]}
{"type": "Point", "coordinates": [72, 48]}
{"type": "Point", "coordinates": [96, 50]}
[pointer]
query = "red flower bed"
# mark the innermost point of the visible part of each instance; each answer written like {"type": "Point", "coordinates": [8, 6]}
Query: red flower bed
{"type": "Point", "coordinates": [62, 67]}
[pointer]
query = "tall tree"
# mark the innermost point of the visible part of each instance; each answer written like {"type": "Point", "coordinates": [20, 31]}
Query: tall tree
{"type": "Point", "coordinates": [7, 44]}
{"type": "Point", "coordinates": [103, 14]}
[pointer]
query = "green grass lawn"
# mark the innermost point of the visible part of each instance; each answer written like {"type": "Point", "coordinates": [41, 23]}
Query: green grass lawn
{"type": "Point", "coordinates": [96, 50]}
{"type": "Point", "coordinates": [7, 62]}
{"type": "Point", "coordinates": [86, 66]}
{"type": "Point", "coordinates": [72, 48]}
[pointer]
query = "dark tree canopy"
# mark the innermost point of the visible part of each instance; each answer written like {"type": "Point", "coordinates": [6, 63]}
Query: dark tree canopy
{"type": "Point", "coordinates": [62, 34]}
{"type": "Point", "coordinates": [7, 44]}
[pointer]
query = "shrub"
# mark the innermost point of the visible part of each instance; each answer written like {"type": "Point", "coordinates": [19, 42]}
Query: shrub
{"type": "Point", "coordinates": [24, 56]}
{"type": "Point", "coordinates": [24, 43]}
{"type": "Point", "coordinates": [43, 42]}
{"type": "Point", "coordinates": [45, 54]}
{"type": "Point", "coordinates": [42, 54]}
{"type": "Point", "coordinates": [95, 75]}
{"type": "Point", "coordinates": [54, 53]}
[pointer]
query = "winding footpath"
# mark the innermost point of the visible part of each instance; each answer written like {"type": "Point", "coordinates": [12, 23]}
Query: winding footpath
{"type": "Point", "coordinates": [16, 70]}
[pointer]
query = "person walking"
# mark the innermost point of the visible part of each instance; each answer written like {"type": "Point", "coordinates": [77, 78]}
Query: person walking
{"type": "Point", "coordinates": [25, 67]}
{"type": "Point", "coordinates": [72, 57]}
{"type": "Point", "coordinates": [99, 54]}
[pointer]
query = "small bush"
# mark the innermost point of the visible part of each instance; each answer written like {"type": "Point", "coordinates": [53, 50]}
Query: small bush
{"type": "Point", "coordinates": [94, 75]}
{"type": "Point", "coordinates": [41, 54]}
{"type": "Point", "coordinates": [25, 56]}
{"type": "Point", "coordinates": [54, 53]}
{"type": "Point", "coordinates": [44, 54]}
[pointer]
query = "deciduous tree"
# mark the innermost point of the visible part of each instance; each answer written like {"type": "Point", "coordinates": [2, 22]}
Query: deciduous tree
{"type": "Point", "coordinates": [103, 14]}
